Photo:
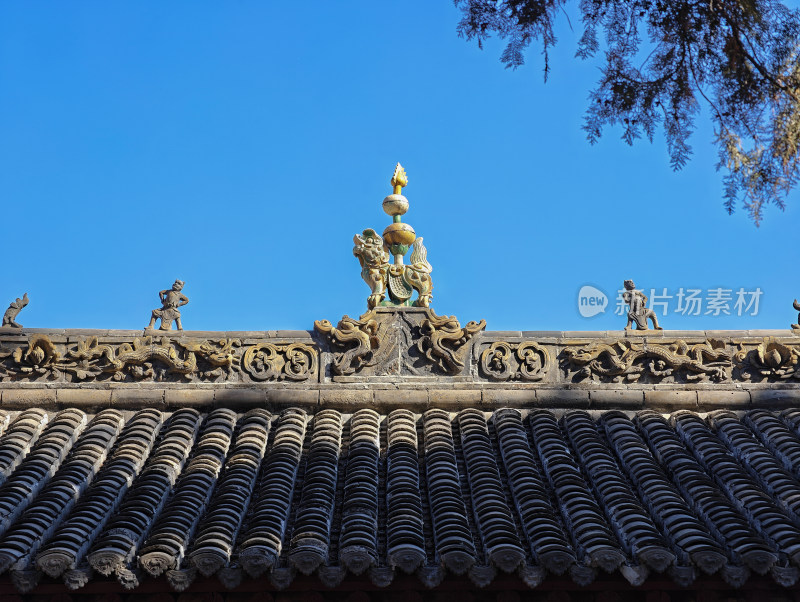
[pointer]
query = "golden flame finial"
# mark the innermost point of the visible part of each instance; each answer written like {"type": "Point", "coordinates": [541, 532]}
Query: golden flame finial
{"type": "Point", "coordinates": [399, 179]}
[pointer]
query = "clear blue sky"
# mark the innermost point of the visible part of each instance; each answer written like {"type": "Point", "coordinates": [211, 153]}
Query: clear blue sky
{"type": "Point", "coordinates": [239, 146]}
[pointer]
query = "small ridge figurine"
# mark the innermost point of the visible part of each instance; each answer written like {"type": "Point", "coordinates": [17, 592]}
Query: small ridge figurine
{"type": "Point", "coordinates": [796, 305]}
{"type": "Point", "coordinates": [171, 300]}
{"type": "Point", "coordinates": [13, 310]}
{"type": "Point", "coordinates": [637, 301]}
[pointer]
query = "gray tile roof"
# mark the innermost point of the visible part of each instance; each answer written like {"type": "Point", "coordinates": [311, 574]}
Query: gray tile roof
{"type": "Point", "coordinates": [136, 495]}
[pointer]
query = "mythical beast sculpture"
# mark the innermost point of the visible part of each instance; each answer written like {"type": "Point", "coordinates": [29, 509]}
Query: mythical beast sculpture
{"type": "Point", "coordinates": [16, 306]}
{"type": "Point", "coordinates": [399, 280]}
{"type": "Point", "coordinates": [373, 251]}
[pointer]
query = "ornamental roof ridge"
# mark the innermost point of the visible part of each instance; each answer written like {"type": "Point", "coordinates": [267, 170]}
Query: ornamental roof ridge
{"type": "Point", "coordinates": [409, 356]}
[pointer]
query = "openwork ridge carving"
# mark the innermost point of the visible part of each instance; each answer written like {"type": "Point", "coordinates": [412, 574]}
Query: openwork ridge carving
{"type": "Point", "coordinates": [266, 361]}
{"type": "Point", "coordinates": [358, 338]}
{"type": "Point", "coordinates": [628, 361]}
{"type": "Point", "coordinates": [153, 358]}
{"type": "Point", "coordinates": [443, 341]}
{"type": "Point", "coordinates": [770, 360]}
{"type": "Point", "coordinates": [515, 361]}
{"type": "Point", "coordinates": [414, 342]}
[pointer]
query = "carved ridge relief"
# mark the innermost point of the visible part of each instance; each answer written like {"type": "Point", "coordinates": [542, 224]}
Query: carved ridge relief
{"type": "Point", "coordinates": [356, 340]}
{"type": "Point", "coordinates": [770, 360]}
{"type": "Point", "coordinates": [158, 359]}
{"type": "Point", "coordinates": [266, 361]}
{"type": "Point", "coordinates": [390, 344]}
{"type": "Point", "coordinates": [444, 341]}
{"type": "Point", "coordinates": [383, 344]}
{"type": "Point", "coordinates": [527, 361]}
{"type": "Point", "coordinates": [626, 361]}
{"type": "Point", "coordinates": [39, 359]}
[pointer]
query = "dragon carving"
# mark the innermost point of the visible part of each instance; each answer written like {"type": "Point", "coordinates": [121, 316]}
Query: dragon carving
{"type": "Point", "coordinates": [357, 337]}
{"type": "Point", "coordinates": [443, 340]}
{"type": "Point", "coordinates": [159, 359]}
{"type": "Point", "coordinates": [629, 361]}
{"type": "Point", "coordinates": [92, 358]}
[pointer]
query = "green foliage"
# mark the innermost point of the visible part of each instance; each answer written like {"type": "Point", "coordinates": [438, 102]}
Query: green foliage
{"type": "Point", "coordinates": [664, 59]}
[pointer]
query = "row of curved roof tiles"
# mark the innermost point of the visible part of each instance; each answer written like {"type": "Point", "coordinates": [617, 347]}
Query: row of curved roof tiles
{"type": "Point", "coordinates": [536, 493]}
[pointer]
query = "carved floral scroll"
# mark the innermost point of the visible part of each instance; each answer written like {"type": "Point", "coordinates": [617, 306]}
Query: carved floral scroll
{"type": "Point", "coordinates": [266, 361]}
{"type": "Point", "coordinates": [771, 360]}
{"type": "Point", "coordinates": [527, 361]}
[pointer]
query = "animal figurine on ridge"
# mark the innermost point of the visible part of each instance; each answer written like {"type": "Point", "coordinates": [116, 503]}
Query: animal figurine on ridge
{"type": "Point", "coordinates": [9, 318]}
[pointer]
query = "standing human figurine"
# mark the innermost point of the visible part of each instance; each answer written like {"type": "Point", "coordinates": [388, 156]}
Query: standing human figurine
{"type": "Point", "coordinates": [639, 313]}
{"type": "Point", "coordinates": [796, 305]}
{"type": "Point", "coordinates": [13, 310]}
{"type": "Point", "coordinates": [171, 300]}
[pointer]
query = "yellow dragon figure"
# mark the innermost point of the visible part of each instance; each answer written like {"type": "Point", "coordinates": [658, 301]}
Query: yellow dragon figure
{"type": "Point", "coordinates": [400, 281]}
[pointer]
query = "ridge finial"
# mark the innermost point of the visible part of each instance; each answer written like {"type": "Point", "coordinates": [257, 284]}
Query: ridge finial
{"type": "Point", "coordinates": [399, 179]}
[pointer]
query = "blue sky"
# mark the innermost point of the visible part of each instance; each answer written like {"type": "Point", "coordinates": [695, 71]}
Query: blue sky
{"type": "Point", "coordinates": [239, 146]}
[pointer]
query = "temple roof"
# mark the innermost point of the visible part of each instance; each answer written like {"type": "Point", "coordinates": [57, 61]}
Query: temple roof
{"type": "Point", "coordinates": [129, 496]}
